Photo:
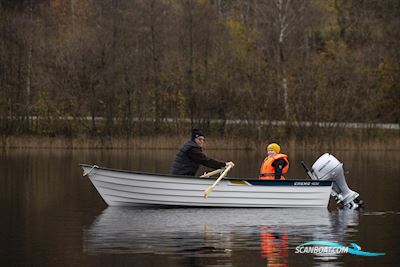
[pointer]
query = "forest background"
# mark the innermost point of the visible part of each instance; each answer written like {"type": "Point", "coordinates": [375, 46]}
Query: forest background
{"type": "Point", "coordinates": [143, 73]}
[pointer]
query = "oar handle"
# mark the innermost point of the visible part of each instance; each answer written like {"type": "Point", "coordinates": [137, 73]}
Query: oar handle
{"type": "Point", "coordinates": [210, 188]}
{"type": "Point", "coordinates": [208, 174]}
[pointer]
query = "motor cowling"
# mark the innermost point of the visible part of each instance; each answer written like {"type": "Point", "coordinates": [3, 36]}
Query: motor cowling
{"type": "Point", "coordinates": [327, 167]}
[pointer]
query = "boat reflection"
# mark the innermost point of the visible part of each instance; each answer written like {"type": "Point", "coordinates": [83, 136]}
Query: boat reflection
{"type": "Point", "coordinates": [213, 233]}
{"type": "Point", "coordinates": [344, 224]}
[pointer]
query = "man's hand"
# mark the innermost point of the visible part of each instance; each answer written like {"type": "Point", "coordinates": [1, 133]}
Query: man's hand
{"type": "Point", "coordinates": [230, 163]}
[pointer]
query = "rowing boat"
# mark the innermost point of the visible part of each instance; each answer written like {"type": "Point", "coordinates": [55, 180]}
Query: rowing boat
{"type": "Point", "coordinates": [131, 188]}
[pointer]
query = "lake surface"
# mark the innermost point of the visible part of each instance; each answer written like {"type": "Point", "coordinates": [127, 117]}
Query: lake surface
{"type": "Point", "coordinates": [52, 216]}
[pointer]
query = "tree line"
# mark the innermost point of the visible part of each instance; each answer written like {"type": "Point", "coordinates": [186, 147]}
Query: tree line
{"type": "Point", "coordinates": [135, 63]}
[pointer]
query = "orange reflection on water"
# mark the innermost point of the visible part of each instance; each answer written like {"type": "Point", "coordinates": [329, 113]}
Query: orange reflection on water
{"type": "Point", "coordinates": [274, 246]}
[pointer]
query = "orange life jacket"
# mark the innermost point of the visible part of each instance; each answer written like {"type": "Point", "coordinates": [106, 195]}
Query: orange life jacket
{"type": "Point", "coordinates": [267, 171]}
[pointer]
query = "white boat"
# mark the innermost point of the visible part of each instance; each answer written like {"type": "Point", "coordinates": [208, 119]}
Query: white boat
{"type": "Point", "coordinates": [129, 188]}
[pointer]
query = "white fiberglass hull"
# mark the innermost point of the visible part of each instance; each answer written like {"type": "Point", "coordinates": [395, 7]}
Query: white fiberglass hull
{"type": "Point", "coordinates": [125, 188]}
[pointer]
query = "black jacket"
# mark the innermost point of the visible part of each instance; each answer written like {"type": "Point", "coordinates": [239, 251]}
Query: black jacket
{"type": "Point", "coordinates": [189, 158]}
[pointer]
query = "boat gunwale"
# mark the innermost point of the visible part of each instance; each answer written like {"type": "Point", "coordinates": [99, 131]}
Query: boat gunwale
{"type": "Point", "coordinates": [290, 182]}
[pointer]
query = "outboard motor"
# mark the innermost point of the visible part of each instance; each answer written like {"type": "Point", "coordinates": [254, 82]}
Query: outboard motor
{"type": "Point", "coordinates": [327, 167]}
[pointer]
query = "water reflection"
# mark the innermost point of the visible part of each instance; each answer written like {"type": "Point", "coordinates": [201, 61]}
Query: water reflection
{"type": "Point", "coordinates": [274, 246]}
{"type": "Point", "coordinates": [217, 234]}
{"type": "Point", "coordinates": [343, 227]}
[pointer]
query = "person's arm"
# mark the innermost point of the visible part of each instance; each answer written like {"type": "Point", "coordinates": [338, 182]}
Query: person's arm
{"type": "Point", "coordinates": [199, 157]}
{"type": "Point", "coordinates": [279, 164]}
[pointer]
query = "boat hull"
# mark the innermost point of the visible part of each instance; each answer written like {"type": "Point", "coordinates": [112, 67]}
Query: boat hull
{"type": "Point", "coordinates": [125, 188]}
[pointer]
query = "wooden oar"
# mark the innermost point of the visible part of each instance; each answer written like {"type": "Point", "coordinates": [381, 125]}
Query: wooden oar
{"type": "Point", "coordinates": [211, 188]}
{"type": "Point", "coordinates": [208, 174]}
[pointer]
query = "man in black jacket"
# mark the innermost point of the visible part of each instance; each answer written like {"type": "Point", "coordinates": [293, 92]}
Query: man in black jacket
{"type": "Point", "coordinates": [190, 156]}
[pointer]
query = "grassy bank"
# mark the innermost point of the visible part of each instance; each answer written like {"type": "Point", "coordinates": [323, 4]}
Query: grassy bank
{"type": "Point", "coordinates": [385, 142]}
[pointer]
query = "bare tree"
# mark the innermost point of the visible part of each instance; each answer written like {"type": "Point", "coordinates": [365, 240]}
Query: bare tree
{"type": "Point", "coordinates": [278, 20]}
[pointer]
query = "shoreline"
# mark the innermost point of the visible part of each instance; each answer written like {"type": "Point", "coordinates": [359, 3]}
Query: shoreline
{"type": "Point", "coordinates": [174, 142]}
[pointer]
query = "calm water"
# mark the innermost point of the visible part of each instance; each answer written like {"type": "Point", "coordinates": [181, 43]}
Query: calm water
{"type": "Point", "coordinates": [52, 216]}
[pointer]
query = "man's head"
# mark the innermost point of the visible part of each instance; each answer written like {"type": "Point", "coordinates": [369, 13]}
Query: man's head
{"type": "Point", "coordinates": [198, 137]}
{"type": "Point", "coordinates": [273, 149]}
